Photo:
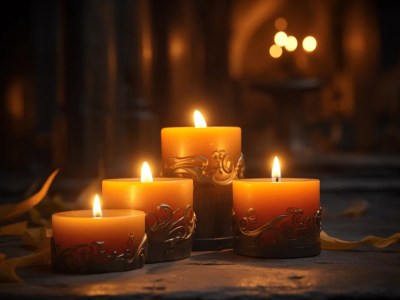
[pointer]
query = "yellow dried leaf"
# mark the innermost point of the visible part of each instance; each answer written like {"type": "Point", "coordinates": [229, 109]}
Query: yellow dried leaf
{"type": "Point", "coordinates": [34, 236]}
{"type": "Point", "coordinates": [331, 243]}
{"type": "Point", "coordinates": [36, 217]}
{"type": "Point", "coordinates": [24, 206]}
{"type": "Point", "coordinates": [357, 208]}
{"type": "Point", "coordinates": [7, 271]}
{"type": "Point", "coordinates": [14, 229]}
{"type": "Point", "coordinates": [6, 208]}
{"type": "Point", "coordinates": [8, 267]}
{"type": "Point", "coordinates": [38, 258]}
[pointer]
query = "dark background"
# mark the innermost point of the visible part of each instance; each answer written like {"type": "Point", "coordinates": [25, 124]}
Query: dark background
{"type": "Point", "coordinates": [86, 86]}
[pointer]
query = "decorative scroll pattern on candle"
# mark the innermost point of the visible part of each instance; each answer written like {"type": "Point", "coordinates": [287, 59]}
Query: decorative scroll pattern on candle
{"type": "Point", "coordinates": [94, 258]}
{"type": "Point", "coordinates": [288, 229]}
{"type": "Point", "coordinates": [168, 229]}
{"type": "Point", "coordinates": [220, 170]}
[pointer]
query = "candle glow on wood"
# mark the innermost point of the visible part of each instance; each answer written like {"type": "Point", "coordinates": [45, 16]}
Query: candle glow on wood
{"type": "Point", "coordinates": [199, 121]}
{"type": "Point", "coordinates": [146, 175]}
{"type": "Point", "coordinates": [97, 213]}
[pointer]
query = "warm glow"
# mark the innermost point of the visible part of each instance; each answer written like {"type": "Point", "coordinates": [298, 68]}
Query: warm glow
{"type": "Point", "coordinates": [176, 46]}
{"type": "Point", "coordinates": [291, 43]}
{"type": "Point", "coordinates": [275, 51]}
{"type": "Point", "coordinates": [280, 23]}
{"type": "Point", "coordinates": [14, 99]}
{"type": "Point", "coordinates": [199, 121]}
{"type": "Point", "coordinates": [280, 38]}
{"type": "Point", "coordinates": [276, 170]}
{"type": "Point", "coordinates": [146, 173]}
{"type": "Point", "coordinates": [97, 207]}
{"type": "Point", "coordinates": [309, 43]}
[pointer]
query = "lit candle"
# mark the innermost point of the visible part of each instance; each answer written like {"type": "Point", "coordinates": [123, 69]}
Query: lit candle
{"type": "Point", "coordinates": [212, 157]}
{"type": "Point", "coordinates": [277, 217]}
{"type": "Point", "coordinates": [167, 202]}
{"type": "Point", "coordinates": [214, 151]}
{"type": "Point", "coordinates": [94, 241]}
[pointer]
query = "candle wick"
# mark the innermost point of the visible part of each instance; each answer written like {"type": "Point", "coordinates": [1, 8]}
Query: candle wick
{"type": "Point", "coordinates": [276, 179]}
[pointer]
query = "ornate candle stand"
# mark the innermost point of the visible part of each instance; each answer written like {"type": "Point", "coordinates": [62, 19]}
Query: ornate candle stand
{"type": "Point", "coordinates": [93, 258]}
{"type": "Point", "coordinates": [212, 195]}
{"type": "Point", "coordinates": [288, 235]}
{"type": "Point", "coordinates": [170, 236]}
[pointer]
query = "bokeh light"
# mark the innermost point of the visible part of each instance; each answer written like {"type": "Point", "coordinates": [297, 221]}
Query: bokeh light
{"type": "Point", "coordinates": [280, 24]}
{"type": "Point", "coordinates": [275, 51]}
{"type": "Point", "coordinates": [309, 43]}
{"type": "Point", "coordinates": [280, 38]}
{"type": "Point", "coordinates": [291, 43]}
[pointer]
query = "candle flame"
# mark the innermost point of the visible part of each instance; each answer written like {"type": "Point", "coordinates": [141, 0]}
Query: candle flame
{"type": "Point", "coordinates": [97, 207]}
{"type": "Point", "coordinates": [199, 121]}
{"type": "Point", "coordinates": [276, 170]}
{"type": "Point", "coordinates": [146, 173]}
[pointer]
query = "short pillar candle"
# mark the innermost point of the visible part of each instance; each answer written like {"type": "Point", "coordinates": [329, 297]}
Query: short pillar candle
{"type": "Point", "coordinates": [98, 241]}
{"type": "Point", "coordinates": [168, 204]}
{"type": "Point", "coordinates": [277, 218]}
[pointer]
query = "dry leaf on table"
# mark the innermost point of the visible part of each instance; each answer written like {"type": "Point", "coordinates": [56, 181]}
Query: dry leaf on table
{"type": "Point", "coordinates": [8, 266]}
{"type": "Point", "coordinates": [331, 243]}
{"type": "Point", "coordinates": [10, 211]}
{"type": "Point", "coordinates": [35, 237]}
{"type": "Point", "coordinates": [14, 229]}
{"type": "Point", "coordinates": [357, 208]}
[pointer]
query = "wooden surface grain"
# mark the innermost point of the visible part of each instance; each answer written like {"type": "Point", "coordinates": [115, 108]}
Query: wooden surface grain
{"type": "Point", "coordinates": [361, 274]}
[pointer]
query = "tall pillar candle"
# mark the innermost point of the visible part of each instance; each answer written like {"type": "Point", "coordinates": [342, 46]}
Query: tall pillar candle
{"type": "Point", "coordinates": [212, 157]}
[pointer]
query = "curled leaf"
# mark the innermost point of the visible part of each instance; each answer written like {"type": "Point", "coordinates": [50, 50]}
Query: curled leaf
{"type": "Point", "coordinates": [38, 238]}
{"type": "Point", "coordinates": [34, 237]}
{"type": "Point", "coordinates": [7, 271]}
{"type": "Point", "coordinates": [331, 243]}
{"type": "Point", "coordinates": [9, 212]}
{"type": "Point", "coordinates": [357, 208]}
{"type": "Point", "coordinates": [36, 217]}
{"type": "Point", "coordinates": [14, 229]}
{"type": "Point", "coordinates": [8, 267]}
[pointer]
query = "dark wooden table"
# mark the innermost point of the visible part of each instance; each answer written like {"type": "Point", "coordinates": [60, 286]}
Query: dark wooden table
{"type": "Point", "coordinates": [362, 274]}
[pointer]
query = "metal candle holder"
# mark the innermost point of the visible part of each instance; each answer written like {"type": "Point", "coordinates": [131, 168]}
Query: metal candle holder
{"type": "Point", "coordinates": [170, 236]}
{"type": "Point", "coordinates": [212, 199]}
{"type": "Point", "coordinates": [93, 258]}
{"type": "Point", "coordinates": [294, 235]}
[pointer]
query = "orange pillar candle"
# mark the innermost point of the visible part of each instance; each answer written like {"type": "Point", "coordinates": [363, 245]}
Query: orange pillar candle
{"type": "Point", "coordinates": [167, 202]}
{"type": "Point", "coordinates": [212, 157]}
{"type": "Point", "coordinates": [277, 217]}
{"type": "Point", "coordinates": [96, 241]}
{"type": "Point", "coordinates": [209, 143]}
